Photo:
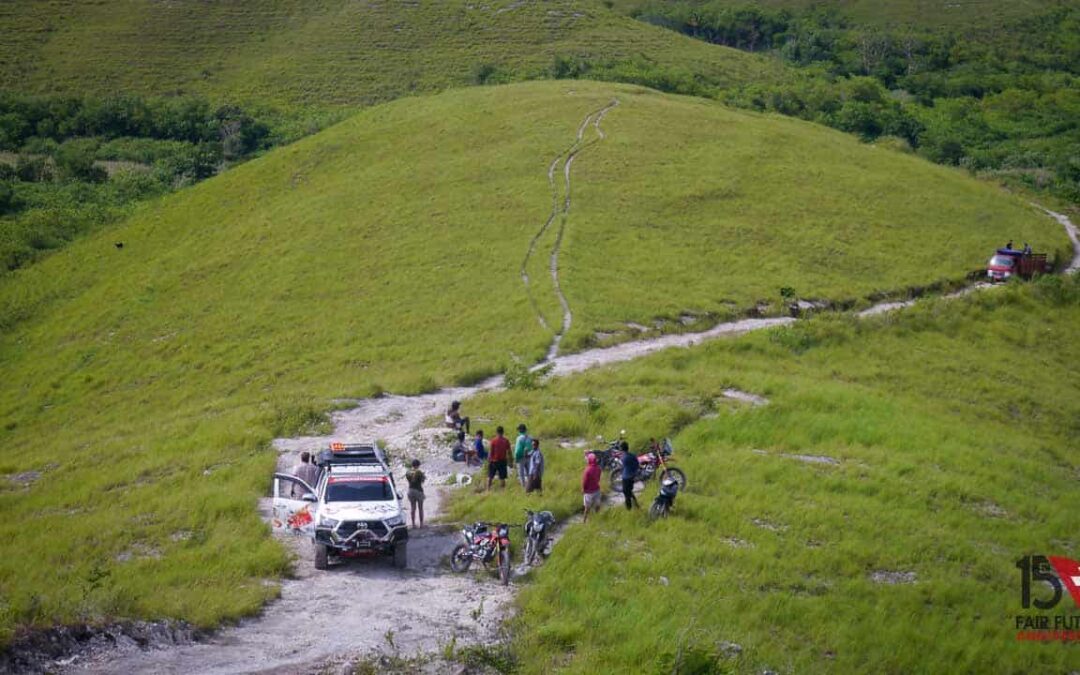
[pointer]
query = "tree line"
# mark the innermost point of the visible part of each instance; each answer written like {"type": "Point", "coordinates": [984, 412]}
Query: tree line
{"type": "Point", "coordinates": [53, 181]}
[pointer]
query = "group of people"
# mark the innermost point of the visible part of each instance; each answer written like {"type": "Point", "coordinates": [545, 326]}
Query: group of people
{"type": "Point", "coordinates": [526, 456]}
{"type": "Point", "coordinates": [526, 459]}
{"type": "Point", "coordinates": [1009, 247]}
{"type": "Point", "coordinates": [529, 461]}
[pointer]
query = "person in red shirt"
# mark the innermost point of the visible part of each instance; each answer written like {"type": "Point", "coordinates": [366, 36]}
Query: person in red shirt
{"type": "Point", "coordinates": [498, 457]}
{"type": "Point", "coordinates": [590, 486]}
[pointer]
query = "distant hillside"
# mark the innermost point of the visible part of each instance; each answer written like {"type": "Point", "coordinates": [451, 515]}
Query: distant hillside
{"type": "Point", "coordinates": [144, 383]}
{"type": "Point", "coordinates": [992, 87]}
{"type": "Point", "coordinates": [325, 52]}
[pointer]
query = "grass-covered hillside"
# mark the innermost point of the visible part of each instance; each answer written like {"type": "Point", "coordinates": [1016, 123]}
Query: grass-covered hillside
{"type": "Point", "coordinates": [866, 520]}
{"type": "Point", "coordinates": [287, 53]}
{"type": "Point", "coordinates": [141, 385]}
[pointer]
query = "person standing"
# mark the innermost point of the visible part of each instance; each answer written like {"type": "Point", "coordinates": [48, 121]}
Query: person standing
{"type": "Point", "coordinates": [498, 458]}
{"type": "Point", "coordinates": [521, 453]}
{"type": "Point", "coordinates": [630, 468]}
{"type": "Point", "coordinates": [590, 485]}
{"type": "Point", "coordinates": [416, 479]}
{"type": "Point", "coordinates": [535, 474]}
{"type": "Point", "coordinates": [307, 472]}
{"type": "Point", "coordinates": [479, 453]}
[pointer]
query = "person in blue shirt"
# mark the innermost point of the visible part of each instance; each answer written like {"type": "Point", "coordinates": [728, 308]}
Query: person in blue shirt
{"type": "Point", "coordinates": [629, 475]}
{"type": "Point", "coordinates": [478, 447]}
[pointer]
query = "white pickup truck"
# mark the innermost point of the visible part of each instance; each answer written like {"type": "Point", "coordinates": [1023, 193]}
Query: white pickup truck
{"type": "Point", "coordinates": [353, 510]}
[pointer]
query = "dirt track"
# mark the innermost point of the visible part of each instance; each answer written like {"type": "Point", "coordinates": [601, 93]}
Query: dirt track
{"type": "Point", "coordinates": [352, 610]}
{"type": "Point", "coordinates": [561, 213]}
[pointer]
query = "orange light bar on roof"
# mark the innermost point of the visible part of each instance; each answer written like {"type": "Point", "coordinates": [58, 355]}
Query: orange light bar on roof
{"type": "Point", "coordinates": [336, 447]}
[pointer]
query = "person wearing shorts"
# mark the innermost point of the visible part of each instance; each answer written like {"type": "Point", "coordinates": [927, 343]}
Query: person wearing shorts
{"type": "Point", "coordinates": [498, 458]}
{"type": "Point", "coordinates": [534, 481]}
{"type": "Point", "coordinates": [416, 479]}
{"type": "Point", "coordinates": [590, 486]}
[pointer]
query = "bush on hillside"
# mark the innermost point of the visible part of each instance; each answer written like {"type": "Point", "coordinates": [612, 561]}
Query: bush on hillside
{"type": "Point", "coordinates": [76, 162]}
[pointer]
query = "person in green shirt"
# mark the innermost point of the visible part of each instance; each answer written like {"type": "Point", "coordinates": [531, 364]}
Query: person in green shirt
{"type": "Point", "coordinates": [522, 448]}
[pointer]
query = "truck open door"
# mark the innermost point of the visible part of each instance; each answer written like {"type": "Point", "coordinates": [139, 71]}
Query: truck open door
{"type": "Point", "coordinates": [294, 505]}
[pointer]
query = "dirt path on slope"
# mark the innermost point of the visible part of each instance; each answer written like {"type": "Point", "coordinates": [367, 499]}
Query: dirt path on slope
{"type": "Point", "coordinates": [1074, 237]}
{"type": "Point", "coordinates": [568, 316]}
{"type": "Point", "coordinates": [566, 159]}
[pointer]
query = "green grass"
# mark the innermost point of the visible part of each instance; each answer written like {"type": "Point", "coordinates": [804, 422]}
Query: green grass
{"type": "Point", "coordinates": [383, 254]}
{"type": "Point", "coordinates": [319, 53]}
{"type": "Point", "coordinates": [957, 427]}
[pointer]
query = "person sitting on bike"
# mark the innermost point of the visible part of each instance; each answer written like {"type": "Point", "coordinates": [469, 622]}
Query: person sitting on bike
{"type": "Point", "coordinates": [454, 419]}
{"type": "Point", "coordinates": [630, 469]}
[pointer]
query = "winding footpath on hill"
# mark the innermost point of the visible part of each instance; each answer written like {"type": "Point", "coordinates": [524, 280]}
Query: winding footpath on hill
{"type": "Point", "coordinates": [324, 619]}
{"type": "Point", "coordinates": [561, 213]}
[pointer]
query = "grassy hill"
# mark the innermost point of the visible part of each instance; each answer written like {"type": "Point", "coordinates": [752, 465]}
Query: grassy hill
{"type": "Point", "coordinates": [143, 384]}
{"type": "Point", "coordinates": [867, 520]}
{"type": "Point", "coordinates": [318, 53]}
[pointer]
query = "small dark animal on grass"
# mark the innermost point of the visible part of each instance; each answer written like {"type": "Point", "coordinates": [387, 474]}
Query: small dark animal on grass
{"type": "Point", "coordinates": [119, 244]}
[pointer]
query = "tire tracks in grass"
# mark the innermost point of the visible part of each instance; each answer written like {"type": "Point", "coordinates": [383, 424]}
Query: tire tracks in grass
{"type": "Point", "coordinates": [561, 212]}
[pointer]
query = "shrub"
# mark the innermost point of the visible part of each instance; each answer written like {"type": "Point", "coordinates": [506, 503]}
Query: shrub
{"type": "Point", "coordinates": [519, 375]}
{"type": "Point", "coordinates": [33, 169]}
{"type": "Point", "coordinates": [8, 198]}
{"type": "Point", "coordinates": [75, 161]}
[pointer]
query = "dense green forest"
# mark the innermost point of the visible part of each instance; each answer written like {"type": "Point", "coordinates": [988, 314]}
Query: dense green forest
{"type": "Point", "coordinates": [1002, 101]}
{"type": "Point", "coordinates": [70, 164]}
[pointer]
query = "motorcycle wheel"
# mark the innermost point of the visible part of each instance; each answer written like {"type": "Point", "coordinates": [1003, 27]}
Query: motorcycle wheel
{"type": "Point", "coordinates": [504, 567]}
{"type": "Point", "coordinates": [530, 550]}
{"type": "Point", "coordinates": [460, 559]}
{"type": "Point", "coordinates": [658, 510]}
{"type": "Point", "coordinates": [677, 475]}
{"type": "Point", "coordinates": [616, 479]}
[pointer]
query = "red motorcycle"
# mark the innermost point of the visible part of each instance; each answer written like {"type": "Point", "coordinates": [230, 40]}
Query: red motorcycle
{"type": "Point", "coordinates": [652, 463]}
{"type": "Point", "coordinates": [483, 544]}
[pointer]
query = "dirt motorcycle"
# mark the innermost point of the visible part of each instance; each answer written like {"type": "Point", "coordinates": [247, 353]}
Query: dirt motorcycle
{"type": "Point", "coordinates": [538, 526]}
{"type": "Point", "coordinates": [664, 501]}
{"type": "Point", "coordinates": [607, 457]}
{"type": "Point", "coordinates": [652, 463]}
{"type": "Point", "coordinates": [483, 543]}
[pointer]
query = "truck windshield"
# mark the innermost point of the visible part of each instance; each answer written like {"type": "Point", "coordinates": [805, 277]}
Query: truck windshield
{"type": "Point", "coordinates": [1002, 261]}
{"type": "Point", "coordinates": [359, 491]}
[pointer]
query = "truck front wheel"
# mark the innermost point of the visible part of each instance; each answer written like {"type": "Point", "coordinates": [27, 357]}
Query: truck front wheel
{"type": "Point", "coordinates": [322, 557]}
{"type": "Point", "coordinates": [401, 557]}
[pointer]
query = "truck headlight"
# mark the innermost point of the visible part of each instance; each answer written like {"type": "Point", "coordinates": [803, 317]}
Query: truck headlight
{"type": "Point", "coordinates": [396, 521]}
{"type": "Point", "coordinates": [328, 523]}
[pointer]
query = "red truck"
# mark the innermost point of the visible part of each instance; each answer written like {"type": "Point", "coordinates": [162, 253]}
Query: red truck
{"type": "Point", "coordinates": [1008, 262]}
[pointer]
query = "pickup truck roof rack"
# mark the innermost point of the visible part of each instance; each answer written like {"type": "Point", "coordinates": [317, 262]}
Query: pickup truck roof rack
{"type": "Point", "coordinates": [351, 453]}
